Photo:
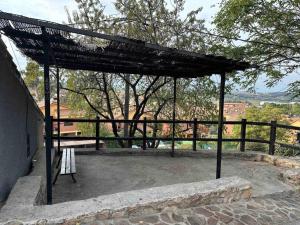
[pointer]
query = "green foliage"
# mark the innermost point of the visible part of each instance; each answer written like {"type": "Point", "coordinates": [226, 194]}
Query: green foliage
{"type": "Point", "coordinates": [266, 113]}
{"type": "Point", "coordinates": [33, 77]}
{"type": "Point", "coordinates": [288, 109]}
{"type": "Point", "coordinates": [154, 21]}
{"type": "Point", "coordinates": [230, 146]}
{"type": "Point", "coordinates": [207, 145]}
{"type": "Point", "coordinates": [112, 144]}
{"type": "Point", "coordinates": [285, 151]}
{"type": "Point", "coordinates": [184, 144]}
{"type": "Point", "coordinates": [275, 22]}
{"type": "Point", "coordinates": [162, 22]}
{"type": "Point", "coordinates": [295, 109]}
{"type": "Point", "coordinates": [89, 129]}
{"type": "Point", "coordinates": [254, 146]}
{"type": "Point", "coordinates": [194, 100]}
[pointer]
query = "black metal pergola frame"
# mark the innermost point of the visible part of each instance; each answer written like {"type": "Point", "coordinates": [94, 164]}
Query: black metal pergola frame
{"type": "Point", "coordinates": [51, 44]}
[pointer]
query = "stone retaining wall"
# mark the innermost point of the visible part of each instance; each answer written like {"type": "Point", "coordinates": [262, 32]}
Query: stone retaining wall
{"type": "Point", "coordinates": [29, 190]}
{"type": "Point", "coordinates": [123, 204]}
{"type": "Point", "coordinates": [291, 176]}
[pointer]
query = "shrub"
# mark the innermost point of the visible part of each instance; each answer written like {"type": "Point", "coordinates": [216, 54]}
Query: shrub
{"type": "Point", "coordinates": [254, 146]}
{"type": "Point", "coordinates": [284, 151]}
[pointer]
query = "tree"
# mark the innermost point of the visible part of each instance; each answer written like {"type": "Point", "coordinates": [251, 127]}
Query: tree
{"type": "Point", "coordinates": [102, 93]}
{"type": "Point", "coordinates": [151, 21]}
{"type": "Point", "coordinates": [33, 78]}
{"type": "Point", "coordinates": [271, 29]}
{"type": "Point", "coordinates": [287, 109]}
{"type": "Point", "coordinates": [264, 114]}
{"type": "Point", "coordinates": [295, 109]}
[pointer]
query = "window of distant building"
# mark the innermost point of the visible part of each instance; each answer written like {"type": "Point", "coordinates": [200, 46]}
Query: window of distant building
{"type": "Point", "coordinates": [66, 124]}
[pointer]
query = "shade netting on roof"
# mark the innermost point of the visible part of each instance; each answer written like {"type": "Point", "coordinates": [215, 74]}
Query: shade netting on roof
{"type": "Point", "coordinates": [115, 54]}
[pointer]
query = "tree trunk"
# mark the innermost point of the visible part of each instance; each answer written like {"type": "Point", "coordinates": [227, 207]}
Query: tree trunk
{"type": "Point", "coordinates": [126, 111]}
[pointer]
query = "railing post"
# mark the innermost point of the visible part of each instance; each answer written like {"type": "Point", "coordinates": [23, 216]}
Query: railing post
{"type": "Point", "coordinates": [195, 134]}
{"type": "Point", "coordinates": [51, 133]}
{"type": "Point", "coordinates": [272, 137]}
{"type": "Point", "coordinates": [144, 133]}
{"type": "Point", "coordinates": [243, 135]}
{"type": "Point", "coordinates": [97, 133]}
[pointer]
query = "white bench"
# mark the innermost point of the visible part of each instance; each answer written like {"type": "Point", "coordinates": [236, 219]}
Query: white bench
{"type": "Point", "coordinates": [68, 167]}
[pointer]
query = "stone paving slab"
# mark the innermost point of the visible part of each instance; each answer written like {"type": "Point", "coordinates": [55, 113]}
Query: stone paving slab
{"type": "Point", "coordinates": [275, 209]}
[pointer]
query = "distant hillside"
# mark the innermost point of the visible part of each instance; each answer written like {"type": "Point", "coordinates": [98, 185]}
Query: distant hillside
{"type": "Point", "coordinates": [257, 97]}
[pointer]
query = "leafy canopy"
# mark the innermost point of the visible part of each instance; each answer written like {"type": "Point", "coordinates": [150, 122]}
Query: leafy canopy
{"type": "Point", "coordinates": [273, 29]}
{"type": "Point", "coordinates": [33, 78]}
{"type": "Point", "coordinates": [266, 113]}
{"type": "Point", "coordinates": [156, 21]}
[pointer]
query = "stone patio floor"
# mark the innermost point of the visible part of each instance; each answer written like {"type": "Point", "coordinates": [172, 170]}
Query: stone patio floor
{"type": "Point", "coordinates": [278, 208]}
{"type": "Point", "coordinates": [104, 174]}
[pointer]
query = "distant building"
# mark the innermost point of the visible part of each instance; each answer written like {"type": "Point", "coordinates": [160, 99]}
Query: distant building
{"type": "Point", "coordinates": [66, 128]}
{"type": "Point", "coordinates": [234, 111]}
{"type": "Point", "coordinates": [294, 121]}
{"type": "Point", "coordinates": [131, 113]}
{"type": "Point", "coordinates": [164, 128]}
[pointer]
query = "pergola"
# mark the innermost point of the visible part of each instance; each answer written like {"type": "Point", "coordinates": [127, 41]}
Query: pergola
{"type": "Point", "coordinates": [52, 44]}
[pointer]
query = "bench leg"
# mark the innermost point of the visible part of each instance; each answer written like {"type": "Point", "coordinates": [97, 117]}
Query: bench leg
{"type": "Point", "coordinates": [57, 166]}
{"type": "Point", "coordinates": [55, 179]}
{"type": "Point", "coordinates": [73, 178]}
{"type": "Point", "coordinates": [59, 160]}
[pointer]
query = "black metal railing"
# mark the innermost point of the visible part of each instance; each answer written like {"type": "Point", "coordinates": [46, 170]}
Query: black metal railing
{"type": "Point", "coordinates": [273, 125]}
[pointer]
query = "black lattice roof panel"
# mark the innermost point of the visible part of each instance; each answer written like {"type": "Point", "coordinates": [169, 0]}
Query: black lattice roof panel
{"type": "Point", "coordinates": [115, 54]}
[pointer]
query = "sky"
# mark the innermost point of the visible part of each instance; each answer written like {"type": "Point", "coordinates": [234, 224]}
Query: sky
{"type": "Point", "coordinates": [55, 10]}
